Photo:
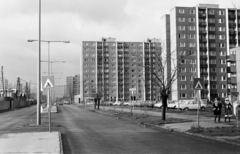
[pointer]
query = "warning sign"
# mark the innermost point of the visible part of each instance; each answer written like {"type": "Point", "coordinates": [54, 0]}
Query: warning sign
{"type": "Point", "coordinates": [198, 84]}
{"type": "Point", "coordinates": [48, 81]}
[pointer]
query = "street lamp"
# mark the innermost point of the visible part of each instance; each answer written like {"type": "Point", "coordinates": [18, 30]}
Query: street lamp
{"type": "Point", "coordinates": [49, 49]}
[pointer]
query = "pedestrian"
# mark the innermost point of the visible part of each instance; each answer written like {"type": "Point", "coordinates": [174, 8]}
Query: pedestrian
{"type": "Point", "coordinates": [217, 107]}
{"type": "Point", "coordinates": [228, 110]}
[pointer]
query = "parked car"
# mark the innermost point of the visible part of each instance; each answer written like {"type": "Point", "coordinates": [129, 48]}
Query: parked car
{"type": "Point", "coordinates": [127, 103]}
{"type": "Point", "coordinates": [117, 103]}
{"type": "Point", "coordinates": [192, 104]}
{"type": "Point", "coordinates": [172, 104]}
{"type": "Point", "coordinates": [109, 103]}
{"type": "Point", "coordinates": [66, 102]}
{"type": "Point", "coordinates": [158, 105]}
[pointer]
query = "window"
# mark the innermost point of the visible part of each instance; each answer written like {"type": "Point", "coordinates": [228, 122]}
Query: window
{"type": "Point", "coordinates": [181, 44]}
{"type": "Point", "coordinates": [211, 36]}
{"type": "Point", "coordinates": [183, 61]}
{"type": "Point", "coordinates": [191, 78]}
{"type": "Point", "coordinates": [213, 61]}
{"type": "Point", "coordinates": [182, 78]}
{"type": "Point", "coordinates": [222, 45]}
{"type": "Point", "coordinates": [211, 20]}
{"type": "Point", "coordinates": [192, 53]}
{"type": "Point", "coordinates": [224, 86]}
{"type": "Point", "coordinates": [181, 27]}
{"type": "Point", "coordinates": [223, 78]}
{"type": "Point", "coordinates": [181, 19]}
{"type": "Point", "coordinates": [181, 11]}
{"type": "Point", "coordinates": [191, 11]}
{"type": "Point", "coordinates": [182, 86]}
{"type": "Point", "coordinates": [192, 28]}
{"type": "Point", "coordinates": [182, 53]}
{"type": "Point", "coordinates": [233, 52]}
{"type": "Point", "coordinates": [212, 28]}
{"type": "Point", "coordinates": [223, 53]}
{"type": "Point", "coordinates": [211, 12]}
{"type": "Point", "coordinates": [183, 69]}
{"type": "Point", "coordinates": [181, 36]}
{"type": "Point", "coordinates": [222, 61]}
{"type": "Point", "coordinates": [213, 78]}
{"type": "Point", "coordinates": [221, 20]}
{"type": "Point", "coordinates": [212, 53]}
{"type": "Point", "coordinates": [222, 37]}
{"type": "Point", "coordinates": [224, 94]}
{"type": "Point", "coordinates": [223, 70]}
{"type": "Point", "coordinates": [214, 86]}
{"type": "Point", "coordinates": [192, 36]}
{"type": "Point", "coordinates": [192, 44]}
{"type": "Point", "coordinates": [212, 45]}
{"type": "Point", "coordinates": [183, 95]}
{"type": "Point", "coordinates": [193, 69]}
{"type": "Point", "coordinates": [191, 19]}
{"type": "Point", "coordinates": [221, 29]}
{"type": "Point", "coordinates": [221, 12]}
{"type": "Point", "coordinates": [213, 69]}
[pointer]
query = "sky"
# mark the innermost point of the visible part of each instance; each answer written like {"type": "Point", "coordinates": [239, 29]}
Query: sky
{"type": "Point", "coordinates": [75, 21]}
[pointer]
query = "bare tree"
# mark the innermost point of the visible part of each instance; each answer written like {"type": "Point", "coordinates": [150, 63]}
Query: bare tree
{"type": "Point", "coordinates": [164, 71]}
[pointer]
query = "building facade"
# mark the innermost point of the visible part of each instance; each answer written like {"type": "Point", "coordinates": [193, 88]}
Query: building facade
{"type": "Point", "coordinates": [109, 69]}
{"type": "Point", "coordinates": [203, 35]}
{"type": "Point", "coordinates": [72, 86]}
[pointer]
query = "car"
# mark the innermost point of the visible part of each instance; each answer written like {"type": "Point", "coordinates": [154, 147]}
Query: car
{"type": "Point", "coordinates": [158, 105]}
{"type": "Point", "coordinates": [172, 104]}
{"type": "Point", "coordinates": [191, 105]}
{"type": "Point", "coordinates": [60, 103]}
{"type": "Point", "coordinates": [127, 103]}
{"type": "Point", "coordinates": [117, 103]}
{"type": "Point", "coordinates": [66, 102]}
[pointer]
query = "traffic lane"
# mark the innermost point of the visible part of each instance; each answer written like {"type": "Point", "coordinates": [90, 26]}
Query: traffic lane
{"type": "Point", "coordinates": [89, 132]}
{"type": "Point", "coordinates": [24, 120]}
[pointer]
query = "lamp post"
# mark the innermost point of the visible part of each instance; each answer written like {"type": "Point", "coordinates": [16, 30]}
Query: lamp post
{"type": "Point", "coordinates": [39, 65]}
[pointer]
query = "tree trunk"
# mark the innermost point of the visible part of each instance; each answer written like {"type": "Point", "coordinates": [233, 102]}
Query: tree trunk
{"type": "Point", "coordinates": [98, 101]}
{"type": "Point", "coordinates": [164, 105]}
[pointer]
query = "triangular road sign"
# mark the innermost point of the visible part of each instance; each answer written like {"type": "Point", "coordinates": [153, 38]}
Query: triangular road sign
{"type": "Point", "coordinates": [48, 84]}
{"type": "Point", "coordinates": [198, 85]}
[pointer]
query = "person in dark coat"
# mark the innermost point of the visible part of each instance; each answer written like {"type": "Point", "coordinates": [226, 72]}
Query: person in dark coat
{"type": "Point", "coordinates": [217, 107]}
{"type": "Point", "coordinates": [228, 110]}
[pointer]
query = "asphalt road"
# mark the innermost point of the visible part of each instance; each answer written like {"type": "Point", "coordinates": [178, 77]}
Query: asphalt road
{"type": "Point", "coordinates": [87, 132]}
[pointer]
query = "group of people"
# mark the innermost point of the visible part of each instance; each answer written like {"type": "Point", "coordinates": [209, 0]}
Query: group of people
{"type": "Point", "coordinates": [217, 109]}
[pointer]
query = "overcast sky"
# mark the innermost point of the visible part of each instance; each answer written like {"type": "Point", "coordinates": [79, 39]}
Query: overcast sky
{"type": "Point", "coordinates": [75, 21]}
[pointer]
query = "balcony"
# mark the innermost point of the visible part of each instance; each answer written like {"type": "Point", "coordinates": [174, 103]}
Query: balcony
{"type": "Point", "coordinates": [233, 41]}
{"type": "Point", "coordinates": [202, 15]}
{"type": "Point", "coordinates": [203, 40]}
{"type": "Point", "coordinates": [204, 73]}
{"type": "Point", "coordinates": [204, 65]}
{"type": "Point", "coordinates": [233, 80]}
{"type": "Point", "coordinates": [202, 23]}
{"type": "Point", "coordinates": [231, 58]}
{"type": "Point", "coordinates": [232, 24]}
{"type": "Point", "coordinates": [203, 48]}
{"type": "Point", "coordinates": [203, 56]}
{"type": "Point", "coordinates": [202, 31]}
{"type": "Point", "coordinates": [231, 16]}
{"type": "Point", "coordinates": [231, 69]}
{"type": "Point", "coordinates": [231, 32]}
{"type": "Point", "coordinates": [233, 90]}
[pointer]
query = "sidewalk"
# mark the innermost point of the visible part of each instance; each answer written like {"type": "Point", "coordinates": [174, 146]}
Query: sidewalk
{"type": "Point", "coordinates": [205, 122]}
{"type": "Point", "coordinates": [36, 142]}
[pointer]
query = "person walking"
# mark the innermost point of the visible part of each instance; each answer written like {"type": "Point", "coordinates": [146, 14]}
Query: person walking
{"type": "Point", "coordinates": [217, 107]}
{"type": "Point", "coordinates": [228, 110]}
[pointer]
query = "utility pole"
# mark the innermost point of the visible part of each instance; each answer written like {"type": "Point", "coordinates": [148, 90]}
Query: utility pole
{"type": "Point", "coordinates": [2, 81]}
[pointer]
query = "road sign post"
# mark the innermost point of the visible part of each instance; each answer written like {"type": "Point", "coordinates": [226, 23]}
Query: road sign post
{"type": "Point", "coordinates": [132, 105]}
{"type": "Point", "coordinates": [198, 85]}
{"type": "Point", "coordinates": [48, 84]}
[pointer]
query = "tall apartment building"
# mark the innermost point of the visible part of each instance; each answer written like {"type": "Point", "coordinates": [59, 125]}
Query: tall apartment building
{"type": "Point", "coordinates": [73, 86]}
{"type": "Point", "coordinates": [110, 68]}
{"type": "Point", "coordinates": [204, 34]}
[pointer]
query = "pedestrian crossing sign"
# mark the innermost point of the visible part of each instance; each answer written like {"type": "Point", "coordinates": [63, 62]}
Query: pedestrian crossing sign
{"type": "Point", "coordinates": [198, 84]}
{"type": "Point", "coordinates": [48, 82]}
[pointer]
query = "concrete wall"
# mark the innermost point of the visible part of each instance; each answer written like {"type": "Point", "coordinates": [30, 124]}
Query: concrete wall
{"type": "Point", "coordinates": [4, 105]}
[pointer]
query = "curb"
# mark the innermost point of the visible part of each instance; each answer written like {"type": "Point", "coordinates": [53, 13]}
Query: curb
{"type": "Point", "coordinates": [171, 129]}
{"type": "Point", "coordinates": [60, 142]}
